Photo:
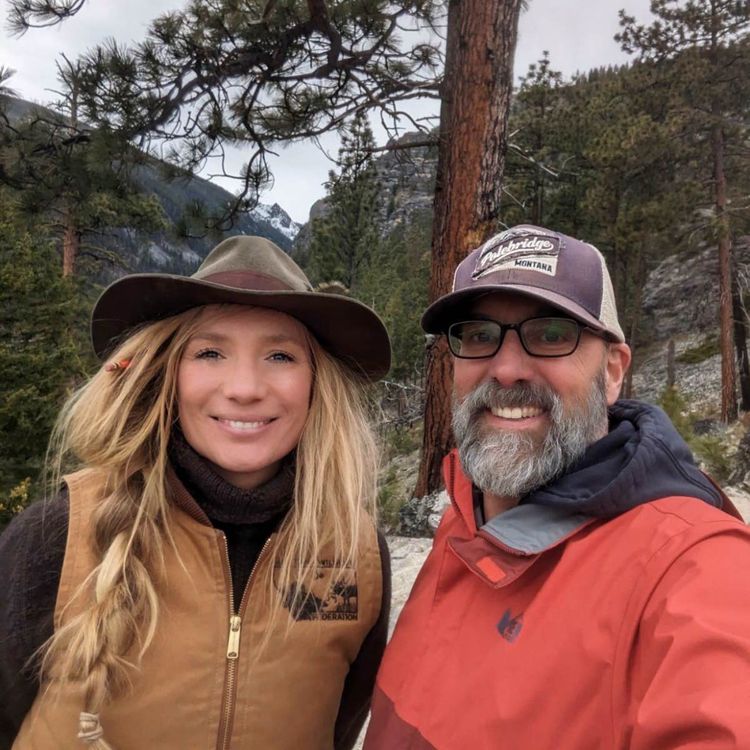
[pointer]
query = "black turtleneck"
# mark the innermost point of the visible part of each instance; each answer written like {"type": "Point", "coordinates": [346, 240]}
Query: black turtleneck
{"type": "Point", "coordinates": [246, 517]}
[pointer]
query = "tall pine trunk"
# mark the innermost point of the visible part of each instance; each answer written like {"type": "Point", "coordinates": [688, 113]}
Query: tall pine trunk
{"type": "Point", "coordinates": [726, 326]}
{"type": "Point", "coordinates": [473, 122]}
{"type": "Point", "coordinates": [740, 342]}
{"type": "Point", "coordinates": [71, 240]}
{"type": "Point", "coordinates": [70, 244]}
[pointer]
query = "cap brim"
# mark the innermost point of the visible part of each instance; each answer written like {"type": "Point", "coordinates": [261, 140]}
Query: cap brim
{"type": "Point", "coordinates": [441, 313]}
{"type": "Point", "coordinates": [345, 327]}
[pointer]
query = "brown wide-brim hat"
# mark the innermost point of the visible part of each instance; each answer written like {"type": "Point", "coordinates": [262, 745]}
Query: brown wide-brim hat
{"type": "Point", "coordinates": [246, 271]}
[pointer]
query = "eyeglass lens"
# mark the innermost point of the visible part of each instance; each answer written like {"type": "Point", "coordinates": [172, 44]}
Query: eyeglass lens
{"type": "Point", "coordinates": [540, 337]}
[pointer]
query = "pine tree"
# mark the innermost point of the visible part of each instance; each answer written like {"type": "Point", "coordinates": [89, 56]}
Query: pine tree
{"type": "Point", "coordinates": [39, 355]}
{"type": "Point", "coordinates": [394, 284]}
{"type": "Point", "coordinates": [73, 182]}
{"type": "Point", "coordinates": [534, 156]}
{"type": "Point", "coordinates": [344, 238]}
{"type": "Point", "coordinates": [640, 190]}
{"type": "Point", "coordinates": [702, 49]}
{"type": "Point", "coordinates": [254, 73]}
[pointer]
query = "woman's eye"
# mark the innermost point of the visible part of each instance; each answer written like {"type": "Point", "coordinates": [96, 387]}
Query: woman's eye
{"type": "Point", "coordinates": [207, 354]}
{"type": "Point", "coordinates": [281, 357]}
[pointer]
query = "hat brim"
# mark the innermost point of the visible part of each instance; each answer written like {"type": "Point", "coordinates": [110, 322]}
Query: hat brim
{"type": "Point", "coordinates": [441, 313]}
{"type": "Point", "coordinates": [343, 326]}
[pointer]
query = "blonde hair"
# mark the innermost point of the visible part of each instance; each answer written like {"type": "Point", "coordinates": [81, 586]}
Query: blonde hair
{"type": "Point", "coordinates": [119, 425]}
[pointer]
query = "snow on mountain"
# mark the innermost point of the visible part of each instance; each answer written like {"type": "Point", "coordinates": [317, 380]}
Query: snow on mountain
{"type": "Point", "coordinates": [277, 218]}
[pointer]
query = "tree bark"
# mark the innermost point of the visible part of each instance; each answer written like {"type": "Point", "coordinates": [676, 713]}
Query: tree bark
{"type": "Point", "coordinates": [70, 245]}
{"type": "Point", "coordinates": [71, 240]}
{"type": "Point", "coordinates": [740, 343]}
{"type": "Point", "coordinates": [635, 318]}
{"type": "Point", "coordinates": [726, 327]}
{"type": "Point", "coordinates": [471, 156]}
{"type": "Point", "coordinates": [670, 365]}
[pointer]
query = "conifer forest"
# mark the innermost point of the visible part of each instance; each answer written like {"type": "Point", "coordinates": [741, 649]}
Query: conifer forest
{"type": "Point", "coordinates": [648, 160]}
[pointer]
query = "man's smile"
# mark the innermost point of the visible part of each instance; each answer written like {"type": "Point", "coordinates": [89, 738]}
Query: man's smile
{"type": "Point", "coordinates": [517, 412]}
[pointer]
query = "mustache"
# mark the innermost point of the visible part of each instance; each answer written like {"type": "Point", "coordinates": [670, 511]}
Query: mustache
{"type": "Point", "coordinates": [491, 395]}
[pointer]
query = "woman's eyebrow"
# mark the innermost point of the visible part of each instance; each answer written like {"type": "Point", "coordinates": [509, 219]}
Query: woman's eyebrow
{"type": "Point", "coordinates": [268, 338]}
{"type": "Point", "coordinates": [281, 338]}
{"type": "Point", "coordinates": [210, 336]}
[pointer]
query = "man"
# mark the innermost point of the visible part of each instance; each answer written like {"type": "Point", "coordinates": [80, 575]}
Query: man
{"type": "Point", "coordinates": [589, 587]}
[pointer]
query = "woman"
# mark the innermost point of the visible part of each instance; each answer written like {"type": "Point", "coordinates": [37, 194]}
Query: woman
{"type": "Point", "coordinates": [210, 576]}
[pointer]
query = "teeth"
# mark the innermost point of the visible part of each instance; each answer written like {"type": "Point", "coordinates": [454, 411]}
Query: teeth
{"type": "Point", "coordinates": [244, 425]}
{"type": "Point", "coordinates": [517, 412]}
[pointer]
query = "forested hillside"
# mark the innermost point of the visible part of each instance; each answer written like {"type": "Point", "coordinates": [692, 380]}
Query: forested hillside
{"type": "Point", "coordinates": [647, 161]}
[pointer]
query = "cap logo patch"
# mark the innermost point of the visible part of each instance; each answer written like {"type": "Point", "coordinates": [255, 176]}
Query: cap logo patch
{"type": "Point", "coordinates": [520, 249]}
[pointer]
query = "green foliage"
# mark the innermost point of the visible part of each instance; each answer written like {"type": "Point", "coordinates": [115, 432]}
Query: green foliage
{"type": "Point", "coordinates": [712, 452]}
{"type": "Point", "coordinates": [39, 355]}
{"type": "Point", "coordinates": [389, 502]}
{"type": "Point", "coordinates": [344, 238]}
{"type": "Point", "coordinates": [709, 347]}
{"type": "Point", "coordinates": [399, 448]}
{"type": "Point", "coordinates": [14, 500]}
{"type": "Point", "coordinates": [403, 440]}
{"type": "Point", "coordinates": [389, 274]}
{"type": "Point", "coordinates": [673, 403]}
{"type": "Point", "coordinates": [395, 284]}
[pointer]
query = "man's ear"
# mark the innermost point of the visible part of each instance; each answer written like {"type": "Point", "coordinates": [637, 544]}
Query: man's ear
{"type": "Point", "coordinates": [618, 361]}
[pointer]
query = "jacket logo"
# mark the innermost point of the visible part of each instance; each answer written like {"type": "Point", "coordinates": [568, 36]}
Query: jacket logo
{"type": "Point", "coordinates": [333, 595]}
{"type": "Point", "coordinates": [509, 627]}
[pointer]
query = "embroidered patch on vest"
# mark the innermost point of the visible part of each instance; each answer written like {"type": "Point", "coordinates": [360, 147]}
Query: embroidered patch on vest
{"type": "Point", "coordinates": [332, 596]}
{"type": "Point", "coordinates": [519, 250]}
{"type": "Point", "coordinates": [509, 627]}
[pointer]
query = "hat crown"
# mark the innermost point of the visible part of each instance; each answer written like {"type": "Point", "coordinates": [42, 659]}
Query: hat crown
{"type": "Point", "coordinates": [565, 272]}
{"type": "Point", "coordinates": [242, 260]}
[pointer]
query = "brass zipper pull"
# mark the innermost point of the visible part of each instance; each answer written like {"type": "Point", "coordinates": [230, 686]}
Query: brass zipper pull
{"type": "Point", "coordinates": [233, 644]}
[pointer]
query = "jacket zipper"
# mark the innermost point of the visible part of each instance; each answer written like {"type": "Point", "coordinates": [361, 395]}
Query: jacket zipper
{"type": "Point", "coordinates": [233, 646]}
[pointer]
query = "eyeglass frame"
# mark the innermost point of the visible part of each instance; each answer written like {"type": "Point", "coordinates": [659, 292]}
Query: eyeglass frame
{"type": "Point", "coordinates": [505, 327]}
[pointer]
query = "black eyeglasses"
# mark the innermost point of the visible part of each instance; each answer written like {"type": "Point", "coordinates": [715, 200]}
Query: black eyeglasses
{"type": "Point", "coordinates": [540, 337]}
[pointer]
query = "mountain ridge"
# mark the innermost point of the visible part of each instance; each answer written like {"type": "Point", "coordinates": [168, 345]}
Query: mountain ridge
{"type": "Point", "coordinates": [166, 250]}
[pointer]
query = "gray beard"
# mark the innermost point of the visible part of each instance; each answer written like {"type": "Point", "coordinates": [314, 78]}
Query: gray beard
{"type": "Point", "coordinates": [512, 464]}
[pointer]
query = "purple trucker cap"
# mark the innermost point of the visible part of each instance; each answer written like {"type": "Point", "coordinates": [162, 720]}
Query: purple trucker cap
{"type": "Point", "coordinates": [564, 272]}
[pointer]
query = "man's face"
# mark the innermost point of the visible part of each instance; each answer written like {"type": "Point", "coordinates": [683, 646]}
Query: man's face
{"type": "Point", "coordinates": [520, 420]}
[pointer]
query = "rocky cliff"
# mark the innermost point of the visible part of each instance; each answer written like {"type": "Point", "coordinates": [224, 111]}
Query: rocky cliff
{"type": "Point", "coordinates": [681, 303]}
{"type": "Point", "coordinates": [407, 185]}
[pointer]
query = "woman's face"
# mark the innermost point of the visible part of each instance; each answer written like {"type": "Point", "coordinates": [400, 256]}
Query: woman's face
{"type": "Point", "coordinates": [243, 390]}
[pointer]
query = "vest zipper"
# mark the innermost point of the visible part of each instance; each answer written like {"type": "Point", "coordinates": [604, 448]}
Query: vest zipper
{"type": "Point", "coordinates": [233, 646]}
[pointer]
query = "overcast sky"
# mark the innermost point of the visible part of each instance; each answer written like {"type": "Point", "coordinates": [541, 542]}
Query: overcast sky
{"type": "Point", "coordinates": [577, 33]}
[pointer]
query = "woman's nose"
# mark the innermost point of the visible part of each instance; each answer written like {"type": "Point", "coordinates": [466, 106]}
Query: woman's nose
{"type": "Point", "coordinates": [244, 381]}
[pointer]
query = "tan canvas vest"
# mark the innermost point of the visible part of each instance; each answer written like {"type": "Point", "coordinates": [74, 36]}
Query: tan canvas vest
{"type": "Point", "coordinates": [188, 693]}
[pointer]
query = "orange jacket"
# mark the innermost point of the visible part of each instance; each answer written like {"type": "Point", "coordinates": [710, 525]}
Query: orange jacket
{"type": "Point", "coordinates": [627, 633]}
